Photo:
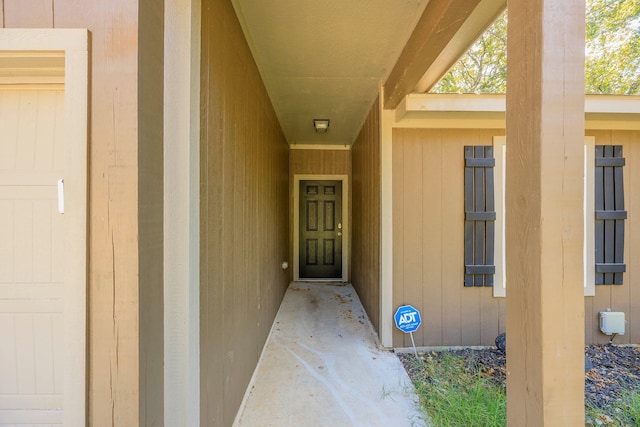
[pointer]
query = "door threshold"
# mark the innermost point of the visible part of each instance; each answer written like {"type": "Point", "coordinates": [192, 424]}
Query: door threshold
{"type": "Point", "coordinates": [334, 282]}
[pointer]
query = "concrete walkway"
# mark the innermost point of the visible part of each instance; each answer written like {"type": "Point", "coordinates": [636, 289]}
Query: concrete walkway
{"type": "Point", "coordinates": [322, 367]}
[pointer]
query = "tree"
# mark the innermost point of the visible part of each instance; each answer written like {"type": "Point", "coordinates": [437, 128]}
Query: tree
{"type": "Point", "coordinates": [612, 62]}
{"type": "Point", "coordinates": [483, 69]}
{"type": "Point", "coordinates": [613, 47]}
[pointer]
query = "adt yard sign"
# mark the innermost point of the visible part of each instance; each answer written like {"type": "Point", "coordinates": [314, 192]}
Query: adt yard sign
{"type": "Point", "coordinates": [407, 318]}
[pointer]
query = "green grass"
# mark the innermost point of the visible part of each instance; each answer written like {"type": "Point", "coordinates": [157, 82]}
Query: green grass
{"type": "Point", "coordinates": [632, 406]}
{"type": "Point", "coordinates": [625, 412]}
{"type": "Point", "coordinates": [453, 395]}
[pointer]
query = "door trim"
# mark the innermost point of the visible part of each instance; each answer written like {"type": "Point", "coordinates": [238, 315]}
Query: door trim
{"type": "Point", "coordinates": [345, 223]}
{"type": "Point", "coordinates": [75, 45]}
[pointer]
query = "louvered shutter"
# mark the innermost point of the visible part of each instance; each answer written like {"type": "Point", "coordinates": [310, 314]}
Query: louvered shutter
{"type": "Point", "coordinates": [610, 215]}
{"type": "Point", "coordinates": [480, 216]}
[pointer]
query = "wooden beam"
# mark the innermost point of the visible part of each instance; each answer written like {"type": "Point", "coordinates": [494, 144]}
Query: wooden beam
{"type": "Point", "coordinates": [444, 32]}
{"type": "Point", "coordinates": [544, 199]}
{"type": "Point", "coordinates": [483, 111]}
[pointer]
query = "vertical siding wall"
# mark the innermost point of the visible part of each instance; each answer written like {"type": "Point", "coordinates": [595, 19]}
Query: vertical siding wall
{"type": "Point", "coordinates": [315, 162]}
{"type": "Point", "coordinates": [319, 162]}
{"type": "Point", "coordinates": [428, 215]}
{"type": "Point", "coordinates": [244, 214]}
{"type": "Point", "coordinates": [115, 238]}
{"type": "Point", "coordinates": [625, 297]}
{"type": "Point", "coordinates": [150, 210]}
{"type": "Point", "coordinates": [365, 255]}
{"type": "Point", "coordinates": [428, 240]}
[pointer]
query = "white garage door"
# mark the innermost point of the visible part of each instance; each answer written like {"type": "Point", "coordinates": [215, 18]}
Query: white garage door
{"type": "Point", "coordinates": [31, 257]}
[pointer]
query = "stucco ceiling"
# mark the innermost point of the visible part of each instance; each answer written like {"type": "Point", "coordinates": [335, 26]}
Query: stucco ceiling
{"type": "Point", "coordinates": [325, 59]}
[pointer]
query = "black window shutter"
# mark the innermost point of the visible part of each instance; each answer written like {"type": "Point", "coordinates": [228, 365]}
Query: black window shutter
{"type": "Point", "coordinates": [480, 216]}
{"type": "Point", "coordinates": [610, 215]}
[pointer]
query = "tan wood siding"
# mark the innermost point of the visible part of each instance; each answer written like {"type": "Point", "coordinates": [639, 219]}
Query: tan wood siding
{"type": "Point", "coordinates": [365, 252]}
{"type": "Point", "coordinates": [244, 214]}
{"type": "Point", "coordinates": [625, 297]}
{"type": "Point", "coordinates": [315, 162]}
{"type": "Point", "coordinates": [150, 211]}
{"type": "Point", "coordinates": [428, 242]}
{"type": "Point", "coordinates": [428, 239]}
{"type": "Point", "coordinates": [28, 13]}
{"type": "Point", "coordinates": [320, 162]}
{"type": "Point", "coordinates": [114, 281]}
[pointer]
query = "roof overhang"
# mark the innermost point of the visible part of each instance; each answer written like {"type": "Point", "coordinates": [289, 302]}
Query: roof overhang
{"type": "Point", "coordinates": [474, 111]}
{"type": "Point", "coordinates": [445, 31]}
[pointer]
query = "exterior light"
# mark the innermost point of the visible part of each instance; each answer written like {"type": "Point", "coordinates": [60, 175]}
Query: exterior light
{"type": "Point", "coordinates": [321, 125]}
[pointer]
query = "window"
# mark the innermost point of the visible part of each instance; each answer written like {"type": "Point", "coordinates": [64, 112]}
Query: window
{"type": "Point", "coordinates": [480, 216]}
{"type": "Point", "coordinates": [610, 215]}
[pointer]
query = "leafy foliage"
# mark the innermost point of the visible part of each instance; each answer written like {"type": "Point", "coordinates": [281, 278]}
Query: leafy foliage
{"type": "Point", "coordinates": [613, 47]}
{"type": "Point", "coordinates": [612, 55]}
{"type": "Point", "coordinates": [483, 69]}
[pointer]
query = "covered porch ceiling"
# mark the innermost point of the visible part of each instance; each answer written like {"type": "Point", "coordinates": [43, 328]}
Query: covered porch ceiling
{"type": "Point", "coordinates": [326, 59]}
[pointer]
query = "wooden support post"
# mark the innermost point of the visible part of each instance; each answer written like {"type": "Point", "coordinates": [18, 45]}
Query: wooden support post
{"type": "Point", "coordinates": [544, 199]}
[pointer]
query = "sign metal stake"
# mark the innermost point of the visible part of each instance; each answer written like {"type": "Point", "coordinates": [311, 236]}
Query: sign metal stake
{"type": "Point", "coordinates": [415, 351]}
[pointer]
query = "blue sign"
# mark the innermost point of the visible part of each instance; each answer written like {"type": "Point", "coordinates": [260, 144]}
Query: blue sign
{"type": "Point", "coordinates": [407, 319]}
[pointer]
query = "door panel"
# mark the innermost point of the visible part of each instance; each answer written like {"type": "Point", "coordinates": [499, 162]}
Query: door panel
{"type": "Point", "coordinates": [321, 229]}
{"type": "Point", "coordinates": [31, 258]}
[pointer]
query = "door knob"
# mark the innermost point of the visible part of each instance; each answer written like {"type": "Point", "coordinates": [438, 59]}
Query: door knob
{"type": "Point", "coordinates": [339, 233]}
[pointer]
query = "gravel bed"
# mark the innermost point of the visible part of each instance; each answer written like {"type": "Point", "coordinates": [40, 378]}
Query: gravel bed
{"type": "Point", "coordinates": [613, 370]}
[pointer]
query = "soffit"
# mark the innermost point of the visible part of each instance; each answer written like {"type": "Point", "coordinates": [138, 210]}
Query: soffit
{"type": "Point", "coordinates": [326, 58]}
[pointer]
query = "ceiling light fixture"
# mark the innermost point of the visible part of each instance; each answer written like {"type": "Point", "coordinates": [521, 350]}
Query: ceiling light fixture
{"type": "Point", "coordinates": [321, 125]}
